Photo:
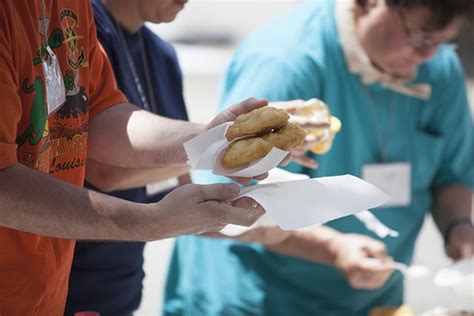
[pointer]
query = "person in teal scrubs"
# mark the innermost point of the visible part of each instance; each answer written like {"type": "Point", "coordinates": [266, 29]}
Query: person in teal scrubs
{"type": "Point", "coordinates": [385, 69]}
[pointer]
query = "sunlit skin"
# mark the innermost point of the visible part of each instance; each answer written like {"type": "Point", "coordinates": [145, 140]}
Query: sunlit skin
{"type": "Point", "coordinates": [132, 14]}
{"type": "Point", "coordinates": [383, 36]}
{"type": "Point", "coordinates": [159, 11]}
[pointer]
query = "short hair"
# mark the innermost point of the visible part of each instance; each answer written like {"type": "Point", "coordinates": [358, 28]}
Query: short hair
{"type": "Point", "coordinates": [444, 11]}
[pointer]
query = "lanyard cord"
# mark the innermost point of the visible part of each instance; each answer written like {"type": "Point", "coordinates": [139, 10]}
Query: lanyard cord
{"type": "Point", "coordinates": [381, 141]}
{"type": "Point", "coordinates": [43, 9]}
{"type": "Point", "coordinates": [148, 106]}
{"type": "Point", "coordinates": [44, 22]}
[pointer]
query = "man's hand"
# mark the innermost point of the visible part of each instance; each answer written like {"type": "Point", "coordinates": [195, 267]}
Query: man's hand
{"type": "Point", "coordinates": [231, 113]}
{"type": "Point", "coordinates": [353, 254]}
{"type": "Point", "coordinates": [452, 205]}
{"type": "Point", "coordinates": [195, 209]}
{"type": "Point", "coordinates": [460, 244]}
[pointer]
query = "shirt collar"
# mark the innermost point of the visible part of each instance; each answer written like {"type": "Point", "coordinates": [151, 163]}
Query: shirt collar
{"type": "Point", "coordinates": [359, 63]}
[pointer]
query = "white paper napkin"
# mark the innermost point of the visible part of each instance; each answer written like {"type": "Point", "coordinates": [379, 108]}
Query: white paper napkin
{"type": "Point", "coordinates": [301, 203]}
{"type": "Point", "coordinates": [298, 204]}
{"type": "Point", "coordinates": [459, 276]}
{"type": "Point", "coordinates": [274, 175]}
{"type": "Point", "coordinates": [205, 152]}
{"type": "Point", "coordinates": [373, 224]}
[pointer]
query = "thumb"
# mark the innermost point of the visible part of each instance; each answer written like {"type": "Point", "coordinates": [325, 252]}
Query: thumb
{"type": "Point", "coordinates": [466, 251]}
{"type": "Point", "coordinates": [247, 106]}
{"type": "Point", "coordinates": [289, 106]}
{"type": "Point", "coordinates": [375, 248]}
{"type": "Point", "coordinates": [219, 191]}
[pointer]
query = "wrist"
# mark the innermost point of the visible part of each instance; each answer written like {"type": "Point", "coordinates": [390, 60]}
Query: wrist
{"type": "Point", "coordinates": [142, 222]}
{"type": "Point", "coordinates": [334, 245]}
{"type": "Point", "coordinates": [453, 224]}
{"type": "Point", "coordinates": [192, 130]}
{"type": "Point", "coordinates": [333, 251]}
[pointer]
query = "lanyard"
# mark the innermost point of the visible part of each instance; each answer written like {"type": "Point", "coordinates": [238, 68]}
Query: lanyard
{"type": "Point", "coordinates": [149, 106]}
{"type": "Point", "coordinates": [54, 83]}
{"type": "Point", "coordinates": [382, 140]}
{"type": "Point", "coordinates": [44, 22]}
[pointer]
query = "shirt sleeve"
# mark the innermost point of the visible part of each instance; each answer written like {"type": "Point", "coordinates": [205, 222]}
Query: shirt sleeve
{"type": "Point", "coordinates": [11, 103]}
{"type": "Point", "coordinates": [103, 88]}
{"type": "Point", "coordinates": [454, 123]}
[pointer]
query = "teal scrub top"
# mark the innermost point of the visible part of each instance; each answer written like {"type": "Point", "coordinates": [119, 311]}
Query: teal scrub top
{"type": "Point", "coordinates": [299, 56]}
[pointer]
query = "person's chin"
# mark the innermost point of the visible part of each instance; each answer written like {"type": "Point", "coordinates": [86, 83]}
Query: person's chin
{"type": "Point", "coordinates": [403, 71]}
{"type": "Point", "coordinates": [182, 3]}
{"type": "Point", "coordinates": [169, 17]}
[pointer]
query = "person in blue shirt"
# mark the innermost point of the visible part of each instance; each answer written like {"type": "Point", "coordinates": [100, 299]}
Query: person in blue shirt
{"type": "Point", "coordinates": [107, 276]}
{"type": "Point", "coordinates": [384, 68]}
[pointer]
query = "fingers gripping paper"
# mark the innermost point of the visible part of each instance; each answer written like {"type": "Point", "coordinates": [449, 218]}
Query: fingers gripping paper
{"type": "Point", "coordinates": [290, 204]}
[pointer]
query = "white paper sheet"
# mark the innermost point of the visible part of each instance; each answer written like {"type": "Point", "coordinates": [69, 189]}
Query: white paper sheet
{"type": "Point", "coordinates": [205, 151]}
{"type": "Point", "coordinates": [459, 276]}
{"type": "Point", "coordinates": [373, 224]}
{"type": "Point", "coordinates": [298, 204]}
{"type": "Point", "coordinates": [301, 203]}
{"type": "Point", "coordinates": [274, 175]}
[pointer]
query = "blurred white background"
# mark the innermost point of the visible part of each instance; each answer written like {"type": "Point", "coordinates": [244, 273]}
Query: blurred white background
{"type": "Point", "coordinates": [204, 35]}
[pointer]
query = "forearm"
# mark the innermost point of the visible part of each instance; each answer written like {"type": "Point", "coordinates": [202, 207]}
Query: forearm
{"type": "Point", "coordinates": [451, 202]}
{"type": "Point", "coordinates": [37, 203]}
{"type": "Point", "coordinates": [111, 178]}
{"type": "Point", "coordinates": [127, 136]}
{"type": "Point", "coordinates": [313, 246]}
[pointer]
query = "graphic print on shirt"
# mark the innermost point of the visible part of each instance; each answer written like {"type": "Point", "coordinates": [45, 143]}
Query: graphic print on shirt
{"type": "Point", "coordinates": [37, 131]}
{"type": "Point", "coordinates": [68, 146]}
{"type": "Point", "coordinates": [38, 115]}
{"type": "Point", "coordinates": [63, 141]}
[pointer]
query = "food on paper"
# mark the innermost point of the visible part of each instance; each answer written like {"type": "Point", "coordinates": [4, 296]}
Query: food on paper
{"type": "Point", "coordinates": [254, 134]}
{"type": "Point", "coordinates": [326, 144]}
{"type": "Point", "coordinates": [289, 136]}
{"type": "Point", "coordinates": [402, 310]}
{"type": "Point", "coordinates": [440, 311]}
{"type": "Point", "coordinates": [247, 150]}
{"type": "Point", "coordinates": [324, 126]}
{"type": "Point", "coordinates": [259, 121]}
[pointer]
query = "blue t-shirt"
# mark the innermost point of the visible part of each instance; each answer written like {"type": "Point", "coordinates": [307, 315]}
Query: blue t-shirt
{"type": "Point", "coordinates": [299, 56]}
{"type": "Point", "coordinates": [107, 276]}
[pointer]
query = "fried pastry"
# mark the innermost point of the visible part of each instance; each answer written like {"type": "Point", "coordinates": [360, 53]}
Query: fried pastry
{"type": "Point", "coordinates": [323, 126]}
{"type": "Point", "coordinates": [261, 120]}
{"type": "Point", "coordinates": [289, 136]}
{"type": "Point", "coordinates": [247, 150]}
{"type": "Point", "coordinates": [244, 151]}
{"type": "Point", "coordinates": [402, 310]}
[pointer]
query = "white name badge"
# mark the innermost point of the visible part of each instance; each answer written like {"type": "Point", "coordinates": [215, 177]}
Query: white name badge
{"type": "Point", "coordinates": [392, 178]}
{"type": "Point", "coordinates": [157, 187]}
{"type": "Point", "coordinates": [55, 89]}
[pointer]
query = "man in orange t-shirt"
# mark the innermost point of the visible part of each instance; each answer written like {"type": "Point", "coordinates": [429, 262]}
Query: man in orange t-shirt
{"type": "Point", "coordinates": [51, 124]}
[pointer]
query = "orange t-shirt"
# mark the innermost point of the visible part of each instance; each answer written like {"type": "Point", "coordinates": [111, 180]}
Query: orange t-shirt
{"type": "Point", "coordinates": [34, 269]}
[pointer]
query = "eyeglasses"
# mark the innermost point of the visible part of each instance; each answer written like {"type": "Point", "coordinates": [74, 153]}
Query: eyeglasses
{"type": "Point", "coordinates": [415, 38]}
